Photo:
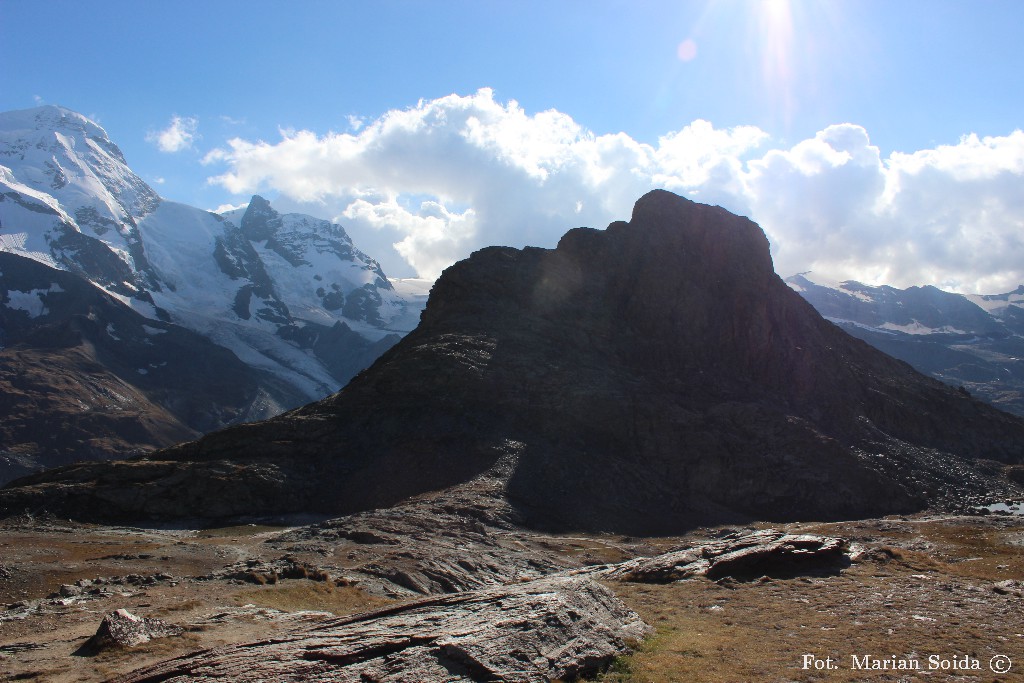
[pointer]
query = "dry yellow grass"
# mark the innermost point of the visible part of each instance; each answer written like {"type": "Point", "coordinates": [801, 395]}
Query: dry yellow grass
{"type": "Point", "coordinates": [300, 595]}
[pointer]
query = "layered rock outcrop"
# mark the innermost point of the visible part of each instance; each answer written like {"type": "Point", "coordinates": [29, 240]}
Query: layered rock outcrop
{"type": "Point", "coordinates": [550, 629]}
{"type": "Point", "coordinates": [644, 378]}
{"type": "Point", "coordinates": [738, 556]}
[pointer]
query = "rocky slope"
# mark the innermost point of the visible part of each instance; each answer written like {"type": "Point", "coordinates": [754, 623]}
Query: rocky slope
{"type": "Point", "coordinates": [644, 378]}
{"type": "Point", "coordinates": [973, 341]}
{"type": "Point", "coordinates": [84, 377]}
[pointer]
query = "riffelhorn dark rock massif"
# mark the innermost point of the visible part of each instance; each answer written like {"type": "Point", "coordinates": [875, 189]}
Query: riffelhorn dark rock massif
{"type": "Point", "coordinates": [643, 378]}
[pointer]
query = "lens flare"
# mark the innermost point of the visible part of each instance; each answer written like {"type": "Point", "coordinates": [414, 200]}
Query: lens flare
{"type": "Point", "coordinates": [687, 50]}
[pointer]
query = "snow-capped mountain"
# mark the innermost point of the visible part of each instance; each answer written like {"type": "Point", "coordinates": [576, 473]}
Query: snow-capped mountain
{"type": "Point", "coordinates": [973, 341]}
{"type": "Point", "coordinates": [289, 295]}
{"type": "Point", "coordinates": [272, 288]}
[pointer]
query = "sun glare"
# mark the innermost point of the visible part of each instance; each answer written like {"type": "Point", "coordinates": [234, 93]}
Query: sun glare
{"type": "Point", "coordinates": [777, 49]}
{"type": "Point", "coordinates": [774, 24]}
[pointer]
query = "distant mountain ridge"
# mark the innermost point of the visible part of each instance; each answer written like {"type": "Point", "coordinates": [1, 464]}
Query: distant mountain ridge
{"type": "Point", "coordinates": [973, 341]}
{"type": "Point", "coordinates": [645, 378]}
{"type": "Point", "coordinates": [290, 295]}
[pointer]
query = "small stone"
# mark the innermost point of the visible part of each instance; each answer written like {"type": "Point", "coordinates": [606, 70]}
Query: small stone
{"type": "Point", "coordinates": [1009, 587]}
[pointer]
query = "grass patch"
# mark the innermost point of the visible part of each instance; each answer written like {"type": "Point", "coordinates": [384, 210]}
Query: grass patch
{"type": "Point", "coordinates": [238, 531]}
{"type": "Point", "coordinates": [296, 596]}
{"type": "Point", "coordinates": [626, 668]}
{"type": "Point", "coordinates": [178, 607]}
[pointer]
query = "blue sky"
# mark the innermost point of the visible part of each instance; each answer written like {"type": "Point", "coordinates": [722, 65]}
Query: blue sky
{"type": "Point", "coordinates": [571, 96]}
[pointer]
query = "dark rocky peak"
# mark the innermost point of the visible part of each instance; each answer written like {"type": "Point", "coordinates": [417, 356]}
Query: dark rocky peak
{"type": "Point", "coordinates": [1004, 297]}
{"type": "Point", "coordinates": [683, 285]}
{"type": "Point", "coordinates": [260, 221]}
{"type": "Point", "coordinates": [705, 237]}
{"type": "Point", "coordinates": [1019, 291]}
{"type": "Point", "coordinates": [644, 378]}
{"type": "Point", "coordinates": [933, 307]}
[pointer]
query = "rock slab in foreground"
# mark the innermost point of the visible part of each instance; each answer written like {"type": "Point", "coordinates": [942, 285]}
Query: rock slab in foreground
{"type": "Point", "coordinates": [554, 628]}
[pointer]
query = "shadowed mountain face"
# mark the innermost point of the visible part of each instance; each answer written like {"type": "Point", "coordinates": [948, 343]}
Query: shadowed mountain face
{"type": "Point", "coordinates": [643, 378]}
{"type": "Point", "coordinates": [83, 376]}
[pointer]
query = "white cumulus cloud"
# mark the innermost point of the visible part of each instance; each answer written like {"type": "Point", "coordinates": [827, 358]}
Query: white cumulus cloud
{"type": "Point", "coordinates": [423, 187]}
{"type": "Point", "coordinates": [224, 208]}
{"type": "Point", "coordinates": [178, 136]}
{"type": "Point", "coordinates": [952, 216]}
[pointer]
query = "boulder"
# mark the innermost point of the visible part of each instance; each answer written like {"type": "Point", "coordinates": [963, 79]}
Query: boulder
{"type": "Point", "coordinates": [121, 628]}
